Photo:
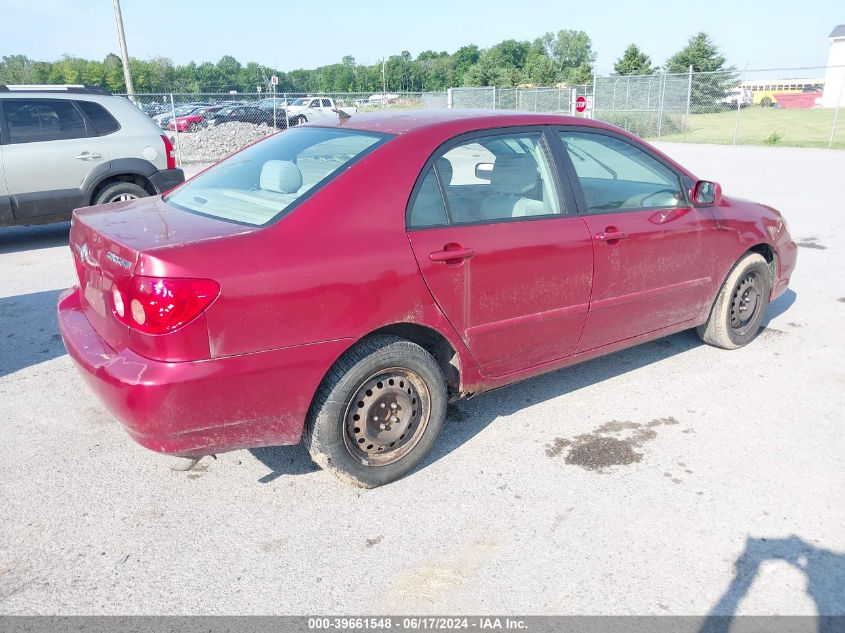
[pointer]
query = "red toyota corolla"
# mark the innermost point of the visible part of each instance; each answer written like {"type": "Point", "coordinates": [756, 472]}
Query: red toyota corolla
{"type": "Point", "coordinates": [347, 280]}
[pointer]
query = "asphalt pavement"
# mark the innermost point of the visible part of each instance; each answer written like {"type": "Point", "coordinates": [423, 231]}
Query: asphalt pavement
{"type": "Point", "coordinates": [722, 490]}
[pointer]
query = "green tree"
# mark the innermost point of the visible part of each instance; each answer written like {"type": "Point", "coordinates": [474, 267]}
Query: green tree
{"type": "Point", "coordinates": [711, 78]}
{"type": "Point", "coordinates": [701, 53]}
{"type": "Point", "coordinates": [633, 62]}
{"type": "Point", "coordinates": [462, 60]}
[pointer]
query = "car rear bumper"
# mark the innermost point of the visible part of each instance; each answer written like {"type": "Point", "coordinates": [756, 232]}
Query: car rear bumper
{"type": "Point", "coordinates": [200, 407]}
{"type": "Point", "coordinates": [166, 179]}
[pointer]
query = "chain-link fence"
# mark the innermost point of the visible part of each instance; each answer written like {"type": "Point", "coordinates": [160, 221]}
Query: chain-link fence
{"type": "Point", "coordinates": [787, 107]}
{"type": "Point", "coordinates": [776, 107]}
{"type": "Point", "coordinates": [206, 127]}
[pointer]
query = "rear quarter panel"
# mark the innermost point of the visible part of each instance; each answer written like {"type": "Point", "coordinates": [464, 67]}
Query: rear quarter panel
{"type": "Point", "coordinates": [337, 267]}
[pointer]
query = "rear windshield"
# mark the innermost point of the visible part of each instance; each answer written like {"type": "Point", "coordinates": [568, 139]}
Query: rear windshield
{"type": "Point", "coordinates": [264, 182]}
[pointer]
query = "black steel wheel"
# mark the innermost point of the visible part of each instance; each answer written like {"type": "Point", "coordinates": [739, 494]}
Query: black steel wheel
{"type": "Point", "coordinates": [387, 416]}
{"type": "Point", "coordinates": [740, 306]}
{"type": "Point", "coordinates": [378, 411]}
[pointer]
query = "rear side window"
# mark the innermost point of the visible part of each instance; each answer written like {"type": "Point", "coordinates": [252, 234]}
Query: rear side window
{"type": "Point", "coordinates": [428, 209]}
{"type": "Point", "coordinates": [100, 119]}
{"type": "Point", "coordinates": [34, 120]}
{"type": "Point", "coordinates": [264, 182]}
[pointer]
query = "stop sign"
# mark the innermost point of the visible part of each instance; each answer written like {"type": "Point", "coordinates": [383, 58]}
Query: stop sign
{"type": "Point", "coordinates": [580, 104]}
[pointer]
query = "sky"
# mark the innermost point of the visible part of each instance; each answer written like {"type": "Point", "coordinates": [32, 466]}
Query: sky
{"type": "Point", "coordinates": [287, 34]}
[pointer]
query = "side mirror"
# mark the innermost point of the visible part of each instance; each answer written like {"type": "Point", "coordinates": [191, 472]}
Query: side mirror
{"type": "Point", "coordinates": [484, 171]}
{"type": "Point", "coordinates": [706, 194]}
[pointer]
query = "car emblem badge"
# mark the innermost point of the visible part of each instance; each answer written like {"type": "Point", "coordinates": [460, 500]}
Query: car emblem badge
{"type": "Point", "coordinates": [125, 263]}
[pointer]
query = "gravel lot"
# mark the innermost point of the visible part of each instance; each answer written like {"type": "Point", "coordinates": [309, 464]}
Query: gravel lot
{"type": "Point", "coordinates": [737, 504]}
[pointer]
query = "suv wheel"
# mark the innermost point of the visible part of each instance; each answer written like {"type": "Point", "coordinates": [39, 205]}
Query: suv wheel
{"type": "Point", "coordinates": [120, 192]}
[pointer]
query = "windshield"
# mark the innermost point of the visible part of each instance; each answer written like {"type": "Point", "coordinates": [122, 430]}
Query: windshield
{"type": "Point", "coordinates": [265, 181]}
{"type": "Point", "coordinates": [299, 102]}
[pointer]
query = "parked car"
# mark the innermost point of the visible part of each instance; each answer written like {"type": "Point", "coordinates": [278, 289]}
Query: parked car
{"type": "Point", "coordinates": [194, 120]}
{"type": "Point", "coordinates": [742, 97]}
{"type": "Point", "coordinates": [247, 114]}
{"type": "Point", "coordinates": [63, 147]}
{"type": "Point", "coordinates": [272, 102]}
{"type": "Point", "coordinates": [154, 109]}
{"type": "Point", "coordinates": [163, 119]}
{"type": "Point", "coordinates": [317, 109]}
{"type": "Point", "coordinates": [341, 283]}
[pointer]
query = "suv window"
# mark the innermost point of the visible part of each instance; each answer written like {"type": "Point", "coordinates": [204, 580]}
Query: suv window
{"type": "Point", "coordinates": [327, 103]}
{"type": "Point", "coordinates": [33, 120]}
{"type": "Point", "coordinates": [496, 177]}
{"type": "Point", "coordinates": [99, 118]}
{"type": "Point", "coordinates": [617, 176]}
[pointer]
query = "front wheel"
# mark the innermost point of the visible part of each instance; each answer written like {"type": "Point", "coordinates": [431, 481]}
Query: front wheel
{"type": "Point", "coordinates": [378, 412]}
{"type": "Point", "coordinates": [740, 307]}
{"type": "Point", "coordinates": [193, 127]}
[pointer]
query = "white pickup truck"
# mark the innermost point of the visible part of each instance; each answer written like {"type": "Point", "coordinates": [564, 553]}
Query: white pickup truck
{"type": "Point", "coordinates": [314, 108]}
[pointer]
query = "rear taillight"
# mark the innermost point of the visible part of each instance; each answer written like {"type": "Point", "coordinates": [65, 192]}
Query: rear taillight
{"type": "Point", "coordinates": [158, 305]}
{"type": "Point", "coordinates": [169, 152]}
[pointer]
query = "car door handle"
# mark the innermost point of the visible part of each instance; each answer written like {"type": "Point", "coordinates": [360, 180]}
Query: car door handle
{"type": "Point", "coordinates": [611, 236]}
{"type": "Point", "coordinates": [89, 156]}
{"type": "Point", "coordinates": [448, 255]}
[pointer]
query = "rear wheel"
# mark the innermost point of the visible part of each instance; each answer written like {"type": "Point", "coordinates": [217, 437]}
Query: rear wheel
{"type": "Point", "coordinates": [193, 127]}
{"type": "Point", "coordinates": [741, 305]}
{"type": "Point", "coordinates": [378, 412]}
{"type": "Point", "coordinates": [120, 192]}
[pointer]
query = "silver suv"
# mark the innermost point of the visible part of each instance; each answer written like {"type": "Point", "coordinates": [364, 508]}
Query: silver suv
{"type": "Point", "coordinates": [63, 147]}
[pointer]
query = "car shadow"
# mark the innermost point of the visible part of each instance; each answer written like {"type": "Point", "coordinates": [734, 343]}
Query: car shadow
{"type": "Point", "coordinates": [15, 239]}
{"type": "Point", "coordinates": [779, 306]}
{"type": "Point", "coordinates": [824, 569]}
{"type": "Point", "coordinates": [284, 460]}
{"type": "Point", "coordinates": [30, 332]}
{"type": "Point", "coordinates": [466, 419]}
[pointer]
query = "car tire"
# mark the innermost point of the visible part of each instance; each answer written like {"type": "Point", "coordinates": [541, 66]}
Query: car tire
{"type": "Point", "coordinates": [193, 127]}
{"type": "Point", "coordinates": [377, 413]}
{"type": "Point", "coordinates": [740, 306]}
{"type": "Point", "coordinates": [300, 120]}
{"type": "Point", "coordinates": [120, 192]}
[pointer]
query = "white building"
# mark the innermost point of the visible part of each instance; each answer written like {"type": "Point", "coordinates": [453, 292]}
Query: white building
{"type": "Point", "coordinates": [834, 88]}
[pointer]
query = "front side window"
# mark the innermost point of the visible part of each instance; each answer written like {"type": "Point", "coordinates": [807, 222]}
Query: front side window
{"type": "Point", "coordinates": [263, 182]}
{"type": "Point", "coordinates": [33, 120]}
{"type": "Point", "coordinates": [617, 176]}
{"type": "Point", "coordinates": [493, 178]}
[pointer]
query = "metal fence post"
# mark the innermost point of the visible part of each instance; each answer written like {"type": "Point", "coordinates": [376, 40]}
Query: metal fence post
{"type": "Point", "coordinates": [836, 113]}
{"type": "Point", "coordinates": [494, 97]}
{"type": "Point", "coordinates": [689, 99]}
{"type": "Point", "coordinates": [175, 131]}
{"type": "Point", "coordinates": [595, 85]}
{"type": "Point", "coordinates": [738, 106]}
{"type": "Point", "coordinates": [287, 117]}
{"type": "Point", "coordinates": [661, 105]}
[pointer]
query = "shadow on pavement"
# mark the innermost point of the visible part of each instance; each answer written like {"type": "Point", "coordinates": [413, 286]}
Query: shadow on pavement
{"type": "Point", "coordinates": [284, 460]}
{"type": "Point", "coordinates": [15, 239]}
{"type": "Point", "coordinates": [824, 569]}
{"type": "Point", "coordinates": [464, 420]}
{"type": "Point", "coordinates": [29, 334]}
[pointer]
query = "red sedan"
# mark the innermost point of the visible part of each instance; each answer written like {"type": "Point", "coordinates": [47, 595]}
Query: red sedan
{"type": "Point", "coordinates": [347, 280]}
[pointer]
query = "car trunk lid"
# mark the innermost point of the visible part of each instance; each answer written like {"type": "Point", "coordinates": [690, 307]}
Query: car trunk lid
{"type": "Point", "coordinates": [108, 241]}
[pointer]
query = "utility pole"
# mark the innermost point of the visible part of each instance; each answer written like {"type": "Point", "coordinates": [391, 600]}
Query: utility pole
{"type": "Point", "coordinates": [127, 76]}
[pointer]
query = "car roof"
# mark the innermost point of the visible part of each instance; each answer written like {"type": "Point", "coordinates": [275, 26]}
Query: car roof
{"type": "Point", "coordinates": [405, 121]}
